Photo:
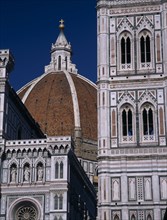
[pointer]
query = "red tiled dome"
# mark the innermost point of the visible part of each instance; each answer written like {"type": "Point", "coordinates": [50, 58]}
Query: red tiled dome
{"type": "Point", "coordinates": [52, 99]}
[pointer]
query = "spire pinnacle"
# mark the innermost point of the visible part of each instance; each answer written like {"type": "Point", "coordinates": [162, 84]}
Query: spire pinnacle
{"type": "Point", "coordinates": [61, 26]}
{"type": "Point", "coordinates": [61, 53]}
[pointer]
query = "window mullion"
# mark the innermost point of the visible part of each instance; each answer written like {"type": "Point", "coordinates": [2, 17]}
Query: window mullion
{"type": "Point", "coordinates": [145, 51]}
{"type": "Point", "coordinates": [126, 51]}
{"type": "Point", "coordinates": [127, 123]}
{"type": "Point", "coordinates": [59, 171]}
{"type": "Point", "coordinates": [147, 122]}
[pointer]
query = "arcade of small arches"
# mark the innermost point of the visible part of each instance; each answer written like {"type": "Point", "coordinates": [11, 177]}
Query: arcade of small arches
{"type": "Point", "coordinates": [34, 152]}
{"type": "Point", "coordinates": [32, 173]}
{"type": "Point", "coordinates": [32, 170]}
{"type": "Point", "coordinates": [58, 218]}
{"type": "Point", "coordinates": [25, 172]}
{"type": "Point", "coordinates": [133, 217]}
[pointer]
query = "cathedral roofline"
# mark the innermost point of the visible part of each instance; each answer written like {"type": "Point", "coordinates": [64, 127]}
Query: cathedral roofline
{"type": "Point", "coordinates": [126, 3]}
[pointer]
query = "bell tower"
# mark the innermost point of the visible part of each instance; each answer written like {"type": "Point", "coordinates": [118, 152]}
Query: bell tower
{"type": "Point", "coordinates": [132, 109]}
{"type": "Point", "coordinates": [6, 66]}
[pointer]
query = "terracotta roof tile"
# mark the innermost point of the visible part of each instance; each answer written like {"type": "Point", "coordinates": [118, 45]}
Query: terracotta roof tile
{"type": "Point", "coordinates": [50, 103]}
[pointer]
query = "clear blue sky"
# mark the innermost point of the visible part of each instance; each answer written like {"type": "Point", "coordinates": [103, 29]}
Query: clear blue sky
{"type": "Point", "coordinates": [29, 27]}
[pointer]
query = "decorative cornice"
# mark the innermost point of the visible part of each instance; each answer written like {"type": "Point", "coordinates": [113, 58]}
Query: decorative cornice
{"type": "Point", "coordinates": [117, 3]}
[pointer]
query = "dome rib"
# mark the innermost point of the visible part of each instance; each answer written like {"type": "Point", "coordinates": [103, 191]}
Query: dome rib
{"type": "Point", "coordinates": [34, 82]}
{"type": "Point", "coordinates": [74, 100]}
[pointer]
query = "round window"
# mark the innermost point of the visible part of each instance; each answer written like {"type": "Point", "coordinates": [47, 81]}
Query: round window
{"type": "Point", "coordinates": [26, 212]}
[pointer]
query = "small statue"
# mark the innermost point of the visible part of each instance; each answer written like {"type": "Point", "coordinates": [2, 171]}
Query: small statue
{"type": "Point", "coordinates": [40, 173]}
{"type": "Point", "coordinates": [26, 173]}
{"type": "Point", "coordinates": [13, 174]}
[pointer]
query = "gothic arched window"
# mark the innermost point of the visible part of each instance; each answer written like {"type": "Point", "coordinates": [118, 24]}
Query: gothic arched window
{"type": "Point", "coordinates": [125, 50]}
{"type": "Point", "coordinates": [56, 170]}
{"type": "Point", "coordinates": [133, 217]}
{"type": "Point", "coordinates": [145, 48]}
{"type": "Point", "coordinates": [149, 217]}
{"type": "Point", "coordinates": [61, 201]}
{"type": "Point", "coordinates": [56, 203]}
{"type": "Point", "coordinates": [127, 123]}
{"type": "Point", "coordinates": [148, 123]}
{"type": "Point", "coordinates": [61, 170]}
{"type": "Point", "coordinates": [116, 217]}
{"type": "Point", "coordinates": [148, 126]}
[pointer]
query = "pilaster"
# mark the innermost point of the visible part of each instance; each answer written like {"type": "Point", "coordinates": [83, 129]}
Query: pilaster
{"type": "Point", "coordinates": [164, 36]}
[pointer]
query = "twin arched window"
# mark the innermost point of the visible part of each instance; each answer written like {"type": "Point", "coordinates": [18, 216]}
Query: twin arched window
{"type": "Point", "coordinates": [58, 201]}
{"type": "Point", "coordinates": [59, 170]}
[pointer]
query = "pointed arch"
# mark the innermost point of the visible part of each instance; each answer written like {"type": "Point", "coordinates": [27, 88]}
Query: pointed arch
{"type": "Point", "coordinates": [148, 122]}
{"type": "Point", "coordinates": [126, 50]}
{"type": "Point", "coordinates": [145, 49]}
{"type": "Point", "coordinates": [149, 217]}
{"type": "Point", "coordinates": [13, 172]}
{"type": "Point", "coordinates": [147, 117]}
{"type": "Point", "coordinates": [133, 217]}
{"type": "Point", "coordinates": [61, 169]}
{"type": "Point", "coordinates": [26, 172]}
{"type": "Point", "coordinates": [61, 201]}
{"type": "Point", "coordinates": [56, 202]}
{"type": "Point", "coordinates": [127, 123]}
{"type": "Point", "coordinates": [116, 217]}
{"type": "Point", "coordinates": [39, 171]}
{"type": "Point", "coordinates": [56, 170]}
